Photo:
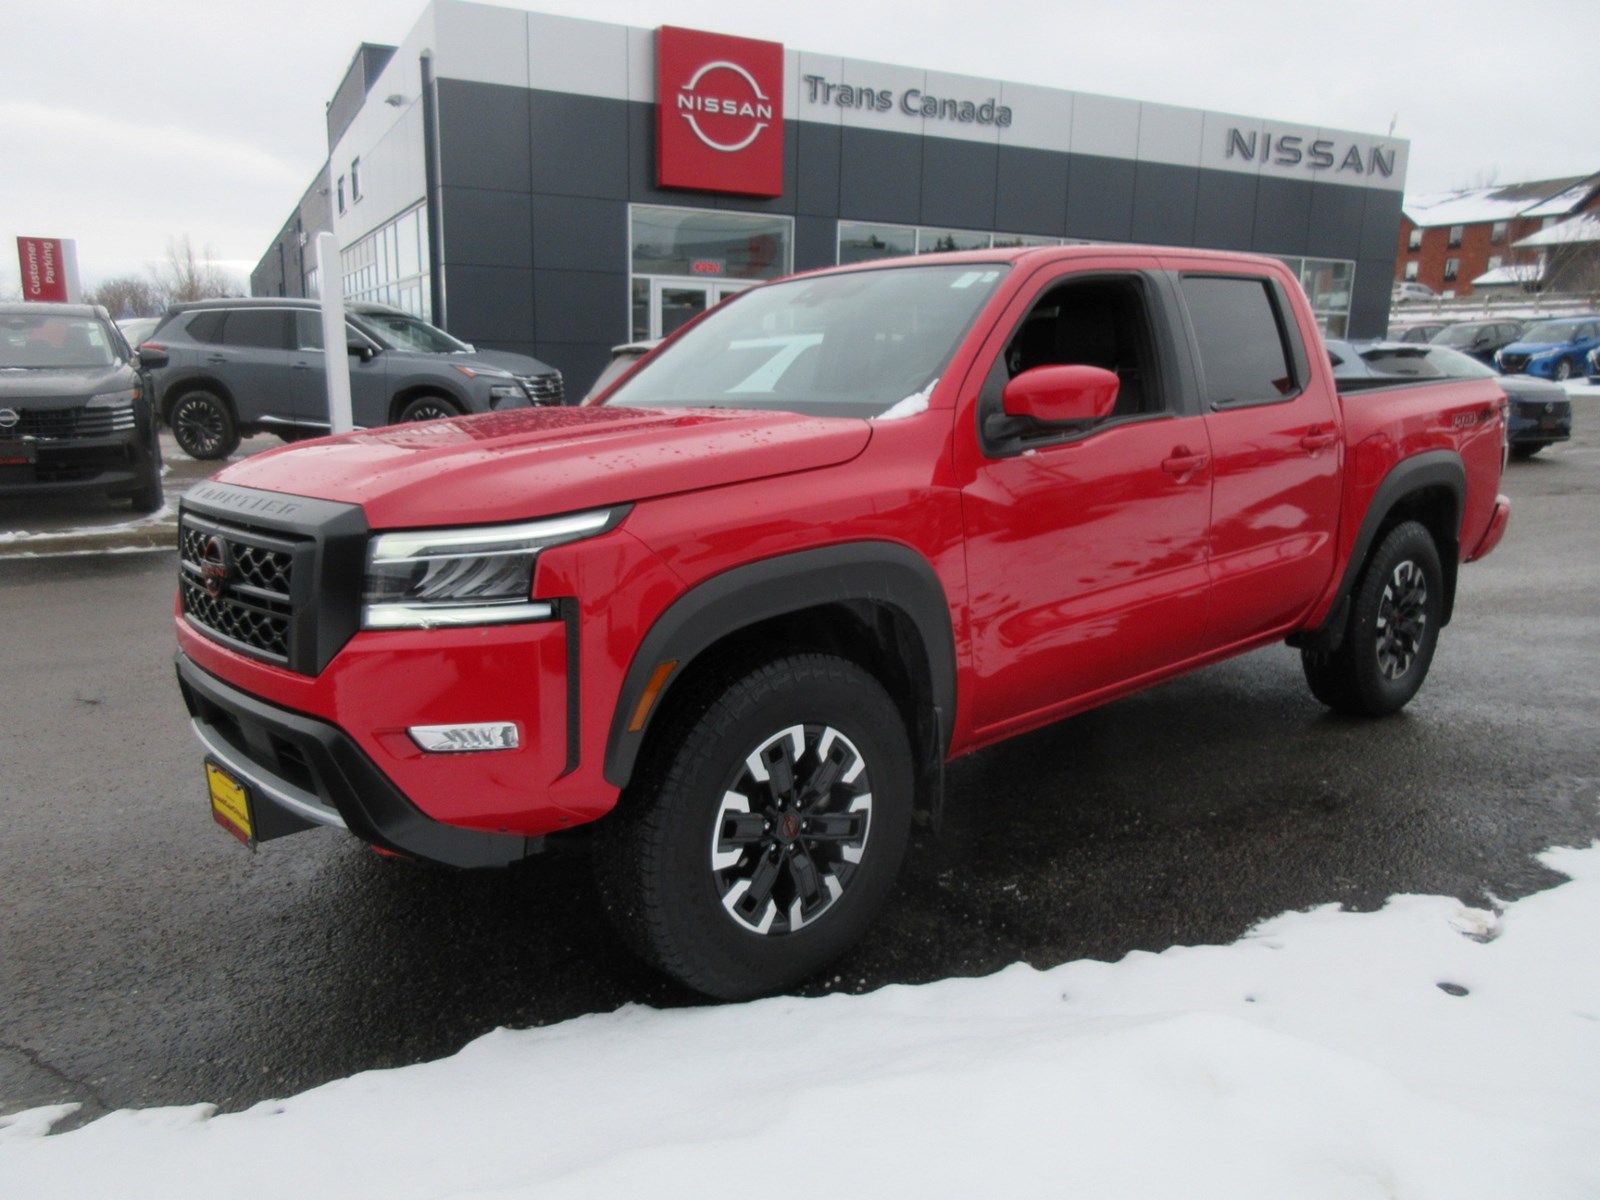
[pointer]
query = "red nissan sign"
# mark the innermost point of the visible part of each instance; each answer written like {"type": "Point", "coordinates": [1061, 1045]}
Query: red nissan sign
{"type": "Point", "coordinates": [719, 113]}
{"type": "Point", "coordinates": [44, 268]}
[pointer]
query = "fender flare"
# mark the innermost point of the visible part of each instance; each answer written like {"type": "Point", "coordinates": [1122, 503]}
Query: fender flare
{"type": "Point", "coordinates": [882, 573]}
{"type": "Point", "coordinates": [1431, 469]}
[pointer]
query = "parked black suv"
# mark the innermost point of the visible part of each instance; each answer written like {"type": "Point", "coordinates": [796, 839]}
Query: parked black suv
{"type": "Point", "coordinates": [227, 368]}
{"type": "Point", "coordinates": [75, 412]}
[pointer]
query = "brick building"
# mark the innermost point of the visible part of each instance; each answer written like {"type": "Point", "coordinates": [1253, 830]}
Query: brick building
{"type": "Point", "coordinates": [1455, 242]}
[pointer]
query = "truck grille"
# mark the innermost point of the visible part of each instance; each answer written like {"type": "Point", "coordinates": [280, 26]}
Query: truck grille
{"type": "Point", "coordinates": [237, 585]}
{"type": "Point", "coordinates": [1512, 363]}
{"type": "Point", "coordinates": [62, 424]}
{"type": "Point", "coordinates": [544, 389]}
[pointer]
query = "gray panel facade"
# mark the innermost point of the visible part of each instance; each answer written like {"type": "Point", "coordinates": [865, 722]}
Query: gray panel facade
{"type": "Point", "coordinates": [536, 188]}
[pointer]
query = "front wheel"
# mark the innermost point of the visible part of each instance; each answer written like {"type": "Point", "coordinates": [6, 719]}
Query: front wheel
{"type": "Point", "coordinates": [428, 408]}
{"type": "Point", "coordinates": [1394, 627]}
{"type": "Point", "coordinates": [766, 830]}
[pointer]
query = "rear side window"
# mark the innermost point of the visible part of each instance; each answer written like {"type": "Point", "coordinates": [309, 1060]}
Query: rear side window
{"type": "Point", "coordinates": [1240, 338]}
{"type": "Point", "coordinates": [206, 327]}
{"type": "Point", "coordinates": [261, 328]}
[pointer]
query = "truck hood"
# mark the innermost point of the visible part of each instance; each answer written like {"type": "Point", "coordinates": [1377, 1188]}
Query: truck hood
{"type": "Point", "coordinates": [527, 463]}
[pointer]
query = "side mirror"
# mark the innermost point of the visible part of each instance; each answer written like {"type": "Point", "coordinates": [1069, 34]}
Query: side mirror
{"type": "Point", "coordinates": [362, 350]}
{"type": "Point", "coordinates": [1061, 395]}
{"type": "Point", "coordinates": [151, 356]}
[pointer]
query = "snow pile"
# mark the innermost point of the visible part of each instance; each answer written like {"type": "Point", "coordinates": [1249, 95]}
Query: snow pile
{"type": "Point", "coordinates": [1423, 1051]}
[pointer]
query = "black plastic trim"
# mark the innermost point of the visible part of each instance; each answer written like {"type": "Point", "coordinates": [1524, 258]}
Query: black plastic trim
{"type": "Point", "coordinates": [874, 572]}
{"type": "Point", "coordinates": [1434, 468]}
{"type": "Point", "coordinates": [373, 808]}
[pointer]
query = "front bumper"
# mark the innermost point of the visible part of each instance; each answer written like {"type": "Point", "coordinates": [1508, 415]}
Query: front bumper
{"type": "Point", "coordinates": [115, 464]}
{"type": "Point", "coordinates": [1538, 423]}
{"type": "Point", "coordinates": [304, 773]}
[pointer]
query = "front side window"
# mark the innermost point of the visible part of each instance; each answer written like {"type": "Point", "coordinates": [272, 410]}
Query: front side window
{"type": "Point", "coordinates": [405, 332]}
{"type": "Point", "coordinates": [852, 345]}
{"type": "Point", "coordinates": [1240, 339]}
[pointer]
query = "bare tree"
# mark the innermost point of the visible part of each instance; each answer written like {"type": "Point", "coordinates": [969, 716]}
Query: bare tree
{"type": "Point", "coordinates": [127, 296]}
{"type": "Point", "coordinates": [190, 276]}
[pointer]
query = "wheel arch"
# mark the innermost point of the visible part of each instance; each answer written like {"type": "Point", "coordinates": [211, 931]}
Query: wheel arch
{"type": "Point", "coordinates": [878, 604]}
{"type": "Point", "coordinates": [1429, 488]}
{"type": "Point", "coordinates": [417, 389]}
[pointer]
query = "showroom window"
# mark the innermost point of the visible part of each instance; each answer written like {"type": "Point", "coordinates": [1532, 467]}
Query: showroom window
{"type": "Point", "coordinates": [862, 241]}
{"type": "Point", "coordinates": [685, 260]}
{"type": "Point", "coordinates": [1328, 283]}
{"type": "Point", "coordinates": [389, 265]}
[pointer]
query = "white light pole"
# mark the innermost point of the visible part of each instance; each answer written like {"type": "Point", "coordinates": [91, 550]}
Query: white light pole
{"type": "Point", "coordinates": [335, 356]}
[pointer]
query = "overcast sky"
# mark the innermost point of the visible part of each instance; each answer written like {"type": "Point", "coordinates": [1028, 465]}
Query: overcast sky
{"type": "Point", "coordinates": [127, 125]}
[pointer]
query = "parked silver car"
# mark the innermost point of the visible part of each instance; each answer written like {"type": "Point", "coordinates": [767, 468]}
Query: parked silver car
{"type": "Point", "coordinates": [228, 368]}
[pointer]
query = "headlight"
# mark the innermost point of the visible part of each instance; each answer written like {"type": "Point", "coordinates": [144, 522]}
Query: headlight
{"type": "Point", "coordinates": [114, 399]}
{"type": "Point", "coordinates": [477, 575]}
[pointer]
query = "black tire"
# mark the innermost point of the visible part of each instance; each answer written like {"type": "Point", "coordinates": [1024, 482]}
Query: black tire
{"type": "Point", "coordinates": [737, 885]}
{"type": "Point", "coordinates": [203, 425]}
{"type": "Point", "coordinates": [428, 408]}
{"type": "Point", "coordinates": [1563, 370]}
{"type": "Point", "coordinates": [148, 497]}
{"type": "Point", "coordinates": [1522, 453]}
{"type": "Point", "coordinates": [1393, 629]}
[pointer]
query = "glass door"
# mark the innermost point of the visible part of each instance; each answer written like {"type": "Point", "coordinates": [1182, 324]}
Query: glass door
{"type": "Point", "coordinates": [675, 302]}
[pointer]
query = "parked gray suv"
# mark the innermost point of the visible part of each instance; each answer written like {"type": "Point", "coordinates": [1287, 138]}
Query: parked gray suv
{"type": "Point", "coordinates": [229, 368]}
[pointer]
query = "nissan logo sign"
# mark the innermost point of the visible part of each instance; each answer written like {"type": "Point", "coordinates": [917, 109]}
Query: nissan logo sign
{"type": "Point", "coordinates": [730, 92]}
{"type": "Point", "coordinates": [216, 564]}
{"type": "Point", "coordinates": [9, 418]}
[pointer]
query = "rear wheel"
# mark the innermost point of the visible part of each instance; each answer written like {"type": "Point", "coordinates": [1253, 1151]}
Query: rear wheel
{"type": "Point", "coordinates": [767, 829]}
{"type": "Point", "coordinates": [203, 425]}
{"type": "Point", "coordinates": [1394, 627]}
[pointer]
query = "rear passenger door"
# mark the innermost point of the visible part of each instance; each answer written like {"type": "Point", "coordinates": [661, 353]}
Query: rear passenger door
{"type": "Point", "coordinates": [1277, 449]}
{"type": "Point", "coordinates": [252, 360]}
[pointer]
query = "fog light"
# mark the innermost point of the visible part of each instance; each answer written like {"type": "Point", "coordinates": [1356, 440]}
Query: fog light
{"type": "Point", "coordinates": [456, 739]}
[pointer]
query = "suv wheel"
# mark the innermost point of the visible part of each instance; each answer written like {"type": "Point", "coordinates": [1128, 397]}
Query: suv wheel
{"type": "Point", "coordinates": [428, 408]}
{"type": "Point", "coordinates": [203, 425]}
{"type": "Point", "coordinates": [771, 826]}
{"type": "Point", "coordinates": [1394, 626]}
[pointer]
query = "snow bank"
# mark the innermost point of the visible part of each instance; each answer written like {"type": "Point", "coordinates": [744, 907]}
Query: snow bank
{"type": "Point", "coordinates": [1423, 1051]}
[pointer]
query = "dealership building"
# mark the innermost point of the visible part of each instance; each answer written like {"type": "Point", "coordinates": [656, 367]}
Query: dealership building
{"type": "Point", "coordinates": [557, 186]}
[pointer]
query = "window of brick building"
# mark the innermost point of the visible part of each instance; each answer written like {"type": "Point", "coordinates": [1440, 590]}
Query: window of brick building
{"type": "Point", "coordinates": [1452, 267]}
{"type": "Point", "coordinates": [1497, 232]}
{"type": "Point", "coordinates": [1411, 270]}
{"type": "Point", "coordinates": [1456, 232]}
{"type": "Point", "coordinates": [1414, 240]}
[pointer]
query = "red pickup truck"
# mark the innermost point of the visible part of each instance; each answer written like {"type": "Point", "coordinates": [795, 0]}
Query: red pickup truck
{"type": "Point", "coordinates": [737, 613]}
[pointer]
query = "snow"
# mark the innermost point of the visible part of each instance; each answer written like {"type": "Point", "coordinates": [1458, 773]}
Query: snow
{"type": "Point", "coordinates": [1500, 202]}
{"type": "Point", "coordinates": [1515, 273]}
{"type": "Point", "coordinates": [1583, 228]}
{"type": "Point", "coordinates": [1424, 1051]}
{"type": "Point", "coordinates": [913, 404]}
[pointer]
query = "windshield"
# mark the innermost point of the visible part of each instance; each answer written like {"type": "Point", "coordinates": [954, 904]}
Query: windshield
{"type": "Point", "coordinates": [850, 345]}
{"type": "Point", "coordinates": [1458, 335]}
{"type": "Point", "coordinates": [1552, 331]}
{"type": "Point", "coordinates": [401, 331]}
{"type": "Point", "coordinates": [55, 340]}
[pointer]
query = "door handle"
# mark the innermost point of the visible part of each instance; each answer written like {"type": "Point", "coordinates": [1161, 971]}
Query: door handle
{"type": "Point", "coordinates": [216, 358]}
{"type": "Point", "coordinates": [1318, 439]}
{"type": "Point", "coordinates": [1183, 463]}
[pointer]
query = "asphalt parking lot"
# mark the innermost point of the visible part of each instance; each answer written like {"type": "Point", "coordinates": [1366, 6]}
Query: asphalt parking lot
{"type": "Point", "coordinates": [148, 959]}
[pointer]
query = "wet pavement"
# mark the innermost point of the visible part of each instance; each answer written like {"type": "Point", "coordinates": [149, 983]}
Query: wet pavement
{"type": "Point", "coordinates": [146, 958]}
